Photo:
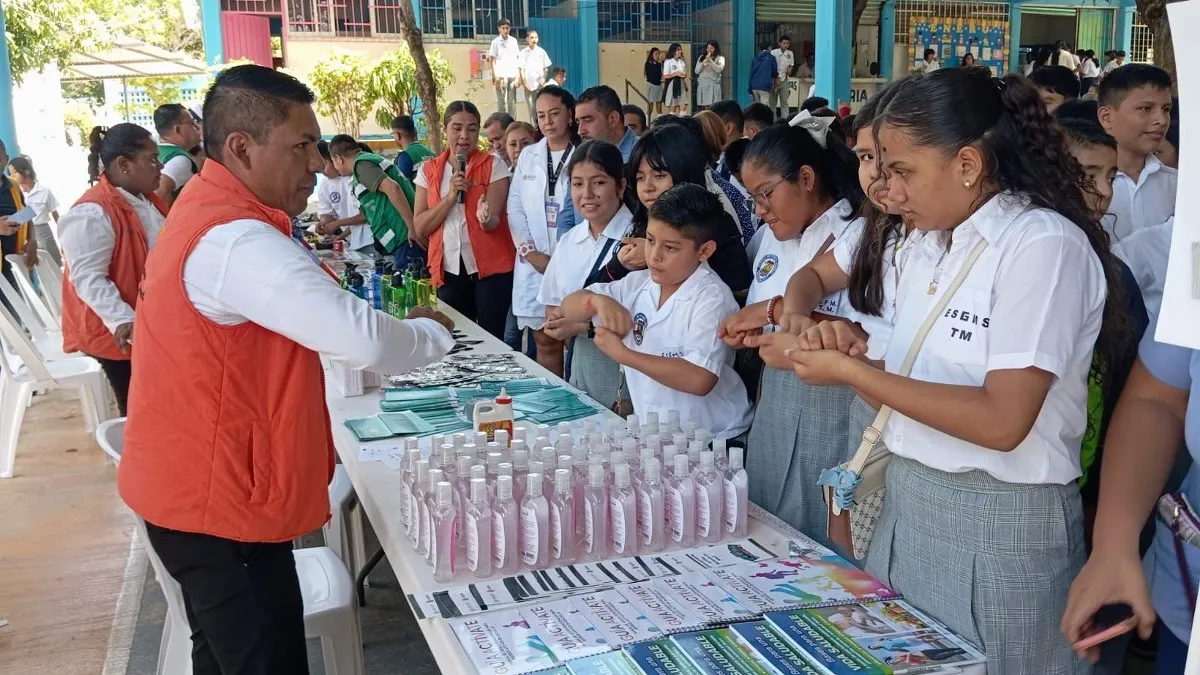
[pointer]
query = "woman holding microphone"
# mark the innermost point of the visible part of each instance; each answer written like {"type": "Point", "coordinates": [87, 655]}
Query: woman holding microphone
{"type": "Point", "coordinates": [460, 203]}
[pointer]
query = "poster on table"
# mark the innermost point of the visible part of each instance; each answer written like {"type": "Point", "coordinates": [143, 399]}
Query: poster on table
{"type": "Point", "coordinates": [955, 37]}
{"type": "Point", "coordinates": [1179, 318]}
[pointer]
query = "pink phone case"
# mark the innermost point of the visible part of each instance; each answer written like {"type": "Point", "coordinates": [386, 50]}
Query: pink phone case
{"type": "Point", "coordinates": [1107, 634]}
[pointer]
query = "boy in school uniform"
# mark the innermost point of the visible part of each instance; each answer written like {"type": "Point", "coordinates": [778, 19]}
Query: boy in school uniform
{"type": "Point", "coordinates": [385, 197]}
{"type": "Point", "coordinates": [1056, 85]}
{"type": "Point", "coordinates": [412, 151]}
{"type": "Point", "coordinates": [1135, 108]}
{"type": "Point", "coordinates": [337, 209]}
{"type": "Point", "coordinates": [660, 324]}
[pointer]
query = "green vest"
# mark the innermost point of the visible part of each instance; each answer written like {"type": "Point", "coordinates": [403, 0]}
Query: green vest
{"type": "Point", "coordinates": [169, 151]}
{"type": "Point", "coordinates": [389, 228]}
{"type": "Point", "coordinates": [417, 153]}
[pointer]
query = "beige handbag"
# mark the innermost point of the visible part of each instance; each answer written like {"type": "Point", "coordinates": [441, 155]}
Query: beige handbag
{"type": "Point", "coordinates": [854, 490]}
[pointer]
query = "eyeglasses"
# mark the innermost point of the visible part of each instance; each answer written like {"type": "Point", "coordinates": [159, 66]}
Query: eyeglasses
{"type": "Point", "coordinates": [763, 197]}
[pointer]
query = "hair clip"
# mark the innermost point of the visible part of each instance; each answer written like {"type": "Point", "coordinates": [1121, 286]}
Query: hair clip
{"type": "Point", "coordinates": [817, 127]}
{"type": "Point", "coordinates": [999, 84]}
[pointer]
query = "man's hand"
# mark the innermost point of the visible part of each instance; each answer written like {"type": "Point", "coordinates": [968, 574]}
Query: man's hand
{"type": "Point", "coordinates": [610, 344]}
{"type": "Point", "coordinates": [327, 228]}
{"type": "Point", "coordinates": [123, 336]}
{"type": "Point", "coordinates": [430, 313]}
{"type": "Point", "coordinates": [7, 227]}
{"type": "Point", "coordinates": [612, 315]}
{"type": "Point", "coordinates": [539, 261]}
{"type": "Point", "coordinates": [632, 253]}
{"type": "Point", "coordinates": [31, 249]}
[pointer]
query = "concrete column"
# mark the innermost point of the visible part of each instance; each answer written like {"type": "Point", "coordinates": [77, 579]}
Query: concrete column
{"type": "Point", "coordinates": [210, 22]}
{"type": "Point", "coordinates": [887, 38]}
{"type": "Point", "coordinates": [1125, 16]}
{"type": "Point", "coordinates": [743, 37]}
{"type": "Point", "coordinates": [589, 48]}
{"type": "Point", "coordinates": [8, 121]}
{"type": "Point", "coordinates": [835, 44]}
{"type": "Point", "coordinates": [1014, 35]}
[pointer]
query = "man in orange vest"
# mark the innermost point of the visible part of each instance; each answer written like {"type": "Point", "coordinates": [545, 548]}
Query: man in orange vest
{"type": "Point", "coordinates": [228, 448]}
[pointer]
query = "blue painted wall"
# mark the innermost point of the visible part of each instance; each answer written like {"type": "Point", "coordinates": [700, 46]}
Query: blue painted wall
{"type": "Point", "coordinates": [210, 23]}
{"type": "Point", "coordinates": [560, 39]}
{"type": "Point", "coordinates": [8, 122]}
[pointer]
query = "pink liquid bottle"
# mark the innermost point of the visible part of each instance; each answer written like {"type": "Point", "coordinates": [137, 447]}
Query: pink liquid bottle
{"type": "Point", "coordinates": [479, 530]}
{"type": "Point", "coordinates": [595, 515]}
{"type": "Point", "coordinates": [579, 476]}
{"type": "Point", "coordinates": [622, 513]}
{"type": "Point", "coordinates": [720, 455]}
{"type": "Point", "coordinates": [428, 507]}
{"type": "Point", "coordinates": [562, 519]}
{"type": "Point", "coordinates": [681, 495]}
{"type": "Point", "coordinates": [417, 507]}
{"type": "Point", "coordinates": [504, 528]}
{"type": "Point", "coordinates": [462, 497]}
{"type": "Point", "coordinates": [651, 505]}
{"type": "Point", "coordinates": [737, 495]}
{"type": "Point", "coordinates": [535, 525]}
{"type": "Point", "coordinates": [407, 482]}
{"type": "Point", "coordinates": [444, 561]}
{"type": "Point", "coordinates": [710, 501]}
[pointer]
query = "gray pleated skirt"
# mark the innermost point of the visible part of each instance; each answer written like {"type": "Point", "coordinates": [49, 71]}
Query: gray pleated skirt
{"type": "Point", "coordinates": [708, 92]}
{"type": "Point", "coordinates": [593, 372]}
{"type": "Point", "coordinates": [991, 560]}
{"type": "Point", "coordinates": [799, 430]}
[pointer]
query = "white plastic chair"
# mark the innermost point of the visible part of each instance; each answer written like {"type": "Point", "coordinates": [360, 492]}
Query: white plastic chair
{"type": "Point", "coordinates": [330, 610]}
{"type": "Point", "coordinates": [337, 534]}
{"type": "Point", "coordinates": [25, 371]}
{"type": "Point", "coordinates": [48, 318]}
{"type": "Point", "coordinates": [52, 278]}
{"type": "Point", "coordinates": [46, 338]}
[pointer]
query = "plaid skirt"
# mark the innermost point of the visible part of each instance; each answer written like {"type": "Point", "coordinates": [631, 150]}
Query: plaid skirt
{"type": "Point", "coordinates": [991, 560]}
{"type": "Point", "coordinates": [593, 372]}
{"type": "Point", "coordinates": [798, 431]}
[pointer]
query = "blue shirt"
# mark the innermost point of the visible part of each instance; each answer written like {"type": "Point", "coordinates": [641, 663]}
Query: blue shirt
{"type": "Point", "coordinates": [568, 216]}
{"type": "Point", "coordinates": [763, 71]}
{"type": "Point", "coordinates": [1177, 367]}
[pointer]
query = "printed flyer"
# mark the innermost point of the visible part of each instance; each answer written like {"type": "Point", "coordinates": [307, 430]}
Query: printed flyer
{"type": "Point", "coordinates": [781, 656]}
{"type": "Point", "coordinates": [717, 652]}
{"type": "Point", "coordinates": [617, 620]}
{"type": "Point", "coordinates": [788, 583]}
{"type": "Point", "coordinates": [612, 663]}
{"type": "Point", "coordinates": [565, 630]}
{"type": "Point", "coordinates": [701, 598]}
{"type": "Point", "coordinates": [502, 643]}
{"type": "Point", "coordinates": [661, 657]}
{"type": "Point", "coordinates": [660, 607]}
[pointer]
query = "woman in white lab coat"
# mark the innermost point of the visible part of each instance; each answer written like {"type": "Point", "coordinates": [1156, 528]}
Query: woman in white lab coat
{"type": "Point", "coordinates": [539, 188]}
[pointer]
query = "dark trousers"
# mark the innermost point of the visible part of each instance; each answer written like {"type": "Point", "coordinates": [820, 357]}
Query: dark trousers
{"type": "Point", "coordinates": [8, 246]}
{"type": "Point", "coordinates": [484, 301]}
{"type": "Point", "coordinates": [118, 373]}
{"type": "Point", "coordinates": [242, 600]}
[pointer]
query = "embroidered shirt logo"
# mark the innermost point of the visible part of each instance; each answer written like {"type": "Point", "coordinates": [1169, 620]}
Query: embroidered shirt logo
{"type": "Point", "coordinates": [766, 267]}
{"type": "Point", "coordinates": [639, 327]}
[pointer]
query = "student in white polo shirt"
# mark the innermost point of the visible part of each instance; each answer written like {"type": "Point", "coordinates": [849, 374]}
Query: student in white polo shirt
{"type": "Point", "coordinates": [983, 525]}
{"type": "Point", "coordinates": [337, 208]}
{"type": "Point", "coordinates": [597, 175]}
{"type": "Point", "coordinates": [661, 323]}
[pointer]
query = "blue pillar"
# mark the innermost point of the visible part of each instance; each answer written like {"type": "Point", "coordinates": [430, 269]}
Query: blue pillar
{"type": "Point", "coordinates": [589, 49]}
{"type": "Point", "coordinates": [1014, 36]}
{"type": "Point", "coordinates": [210, 22]}
{"type": "Point", "coordinates": [887, 38]}
{"type": "Point", "coordinates": [835, 45]}
{"type": "Point", "coordinates": [1124, 41]}
{"type": "Point", "coordinates": [8, 122]}
{"type": "Point", "coordinates": [417, 12]}
{"type": "Point", "coordinates": [743, 37]}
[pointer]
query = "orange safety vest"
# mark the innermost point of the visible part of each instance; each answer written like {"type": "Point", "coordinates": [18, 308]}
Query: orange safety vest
{"type": "Point", "coordinates": [494, 251]}
{"type": "Point", "coordinates": [83, 329]}
{"type": "Point", "coordinates": [228, 432]}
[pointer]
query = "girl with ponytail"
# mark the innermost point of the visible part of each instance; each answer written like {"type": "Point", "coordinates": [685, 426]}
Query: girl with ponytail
{"type": "Point", "coordinates": [982, 525]}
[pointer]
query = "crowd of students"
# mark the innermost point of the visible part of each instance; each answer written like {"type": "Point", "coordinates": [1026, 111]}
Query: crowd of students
{"type": "Point", "coordinates": [769, 279]}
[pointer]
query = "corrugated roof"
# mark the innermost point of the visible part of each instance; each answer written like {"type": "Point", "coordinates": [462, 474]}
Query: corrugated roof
{"type": "Point", "coordinates": [131, 58]}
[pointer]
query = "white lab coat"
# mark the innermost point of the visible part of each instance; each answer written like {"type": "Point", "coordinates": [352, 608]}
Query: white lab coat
{"type": "Point", "coordinates": [527, 223]}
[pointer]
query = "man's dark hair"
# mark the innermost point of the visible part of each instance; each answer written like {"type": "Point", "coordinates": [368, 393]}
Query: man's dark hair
{"type": "Point", "coordinates": [556, 70]}
{"type": "Point", "coordinates": [758, 113]}
{"type": "Point", "coordinates": [167, 116]}
{"type": "Point", "coordinates": [734, 153]}
{"type": "Point", "coordinates": [1120, 52]}
{"type": "Point", "coordinates": [251, 99]}
{"type": "Point", "coordinates": [764, 47]}
{"type": "Point", "coordinates": [403, 124]}
{"type": "Point", "coordinates": [1120, 81]}
{"type": "Point", "coordinates": [1077, 108]}
{"type": "Point", "coordinates": [784, 37]}
{"type": "Point", "coordinates": [502, 117]}
{"type": "Point", "coordinates": [1058, 79]}
{"type": "Point", "coordinates": [503, 22]}
{"type": "Point", "coordinates": [930, 52]}
{"type": "Point", "coordinates": [814, 103]}
{"type": "Point", "coordinates": [323, 149]}
{"type": "Point", "coordinates": [603, 96]}
{"type": "Point", "coordinates": [344, 145]}
{"type": "Point", "coordinates": [1087, 132]}
{"type": "Point", "coordinates": [693, 211]}
{"type": "Point", "coordinates": [631, 109]}
{"type": "Point", "coordinates": [691, 124]}
{"type": "Point", "coordinates": [730, 112]}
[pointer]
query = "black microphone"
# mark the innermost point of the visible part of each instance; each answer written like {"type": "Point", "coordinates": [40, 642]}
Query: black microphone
{"type": "Point", "coordinates": [462, 168]}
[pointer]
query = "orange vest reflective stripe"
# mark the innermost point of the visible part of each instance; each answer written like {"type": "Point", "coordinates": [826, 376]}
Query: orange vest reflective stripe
{"type": "Point", "coordinates": [494, 251]}
{"type": "Point", "coordinates": [84, 330]}
{"type": "Point", "coordinates": [228, 431]}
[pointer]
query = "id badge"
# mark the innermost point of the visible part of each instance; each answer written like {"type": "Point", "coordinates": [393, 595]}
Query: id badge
{"type": "Point", "coordinates": [551, 214]}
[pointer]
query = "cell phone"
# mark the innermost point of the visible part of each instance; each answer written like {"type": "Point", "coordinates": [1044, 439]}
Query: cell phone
{"type": "Point", "coordinates": [1109, 622]}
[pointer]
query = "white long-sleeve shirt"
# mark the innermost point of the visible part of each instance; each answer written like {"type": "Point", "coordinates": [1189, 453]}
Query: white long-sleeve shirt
{"type": "Point", "coordinates": [246, 270]}
{"type": "Point", "coordinates": [86, 235]}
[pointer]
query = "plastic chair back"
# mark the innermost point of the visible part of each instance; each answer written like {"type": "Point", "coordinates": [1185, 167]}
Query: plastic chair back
{"type": "Point", "coordinates": [52, 279]}
{"type": "Point", "coordinates": [15, 339]}
{"type": "Point", "coordinates": [25, 283]}
{"type": "Point", "coordinates": [111, 437]}
{"type": "Point", "coordinates": [28, 317]}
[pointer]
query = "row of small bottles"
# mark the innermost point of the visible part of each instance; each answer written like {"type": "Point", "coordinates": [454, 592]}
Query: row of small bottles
{"type": "Point", "coordinates": [395, 292]}
{"type": "Point", "coordinates": [493, 502]}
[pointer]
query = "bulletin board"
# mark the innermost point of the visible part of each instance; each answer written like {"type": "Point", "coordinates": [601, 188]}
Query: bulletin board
{"type": "Point", "coordinates": [953, 38]}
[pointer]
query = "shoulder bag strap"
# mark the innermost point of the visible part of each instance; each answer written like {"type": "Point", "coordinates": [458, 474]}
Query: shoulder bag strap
{"type": "Point", "coordinates": [874, 433]}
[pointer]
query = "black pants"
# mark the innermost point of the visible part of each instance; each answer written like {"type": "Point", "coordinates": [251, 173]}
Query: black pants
{"type": "Point", "coordinates": [484, 301]}
{"type": "Point", "coordinates": [8, 246]}
{"type": "Point", "coordinates": [118, 373]}
{"type": "Point", "coordinates": [243, 603]}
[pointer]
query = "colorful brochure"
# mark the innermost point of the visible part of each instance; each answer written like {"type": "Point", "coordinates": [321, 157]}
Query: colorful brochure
{"type": "Point", "coordinates": [502, 643]}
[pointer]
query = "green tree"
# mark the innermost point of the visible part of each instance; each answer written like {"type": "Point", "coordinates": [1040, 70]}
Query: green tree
{"type": "Point", "coordinates": [393, 82]}
{"type": "Point", "coordinates": [1154, 15]}
{"type": "Point", "coordinates": [159, 91]}
{"type": "Point", "coordinates": [340, 82]}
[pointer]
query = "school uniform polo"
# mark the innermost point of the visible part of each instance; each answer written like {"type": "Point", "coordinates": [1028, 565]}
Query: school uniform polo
{"type": "Point", "coordinates": [776, 261]}
{"type": "Point", "coordinates": [1035, 298]}
{"type": "Point", "coordinates": [335, 198]}
{"type": "Point", "coordinates": [897, 252]}
{"type": "Point", "coordinates": [579, 256]}
{"type": "Point", "coordinates": [685, 327]}
{"type": "Point", "coordinates": [1146, 252]}
{"type": "Point", "coordinates": [1143, 203]}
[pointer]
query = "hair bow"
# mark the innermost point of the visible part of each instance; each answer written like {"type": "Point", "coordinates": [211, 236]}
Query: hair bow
{"type": "Point", "coordinates": [817, 127]}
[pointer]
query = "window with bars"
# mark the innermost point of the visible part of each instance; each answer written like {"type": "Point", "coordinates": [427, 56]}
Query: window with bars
{"type": "Point", "coordinates": [1141, 42]}
{"type": "Point", "coordinates": [253, 6]}
{"type": "Point", "coordinates": [344, 18]}
{"type": "Point", "coordinates": [645, 20]}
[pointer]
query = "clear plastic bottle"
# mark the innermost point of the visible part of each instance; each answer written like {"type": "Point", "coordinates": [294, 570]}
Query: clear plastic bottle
{"type": "Point", "coordinates": [458, 440]}
{"type": "Point", "coordinates": [633, 426]}
{"type": "Point", "coordinates": [520, 469]}
{"type": "Point", "coordinates": [407, 481]}
{"type": "Point", "coordinates": [449, 465]}
{"type": "Point", "coordinates": [673, 421]}
{"type": "Point", "coordinates": [469, 449]}
{"type": "Point", "coordinates": [622, 513]}
{"type": "Point", "coordinates": [652, 420]}
{"type": "Point", "coordinates": [564, 462]}
{"type": "Point", "coordinates": [480, 439]}
{"type": "Point", "coordinates": [437, 440]}
{"type": "Point", "coordinates": [681, 495]}
{"type": "Point", "coordinates": [651, 508]}
{"type": "Point", "coordinates": [690, 428]}
{"type": "Point", "coordinates": [494, 460]}
{"type": "Point", "coordinates": [629, 449]}
{"type": "Point", "coordinates": [411, 443]}
{"type": "Point", "coordinates": [710, 501]}
{"type": "Point", "coordinates": [562, 519]}
{"type": "Point", "coordinates": [737, 495]}
{"type": "Point", "coordinates": [479, 530]}
{"type": "Point", "coordinates": [652, 441]}
{"type": "Point", "coordinates": [720, 455]}
{"type": "Point", "coordinates": [428, 508]}
{"type": "Point", "coordinates": [535, 525]}
{"type": "Point", "coordinates": [595, 515]}
{"type": "Point", "coordinates": [520, 431]}
{"type": "Point", "coordinates": [502, 439]}
{"type": "Point", "coordinates": [444, 550]}
{"type": "Point", "coordinates": [693, 455]}
{"type": "Point", "coordinates": [579, 479]}
{"type": "Point", "coordinates": [680, 440]}
{"type": "Point", "coordinates": [504, 528]}
{"type": "Point", "coordinates": [462, 497]}
{"type": "Point", "coordinates": [417, 507]}
{"type": "Point", "coordinates": [704, 437]}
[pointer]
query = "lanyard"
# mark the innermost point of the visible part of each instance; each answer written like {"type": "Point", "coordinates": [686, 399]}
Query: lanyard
{"type": "Point", "coordinates": [552, 173]}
